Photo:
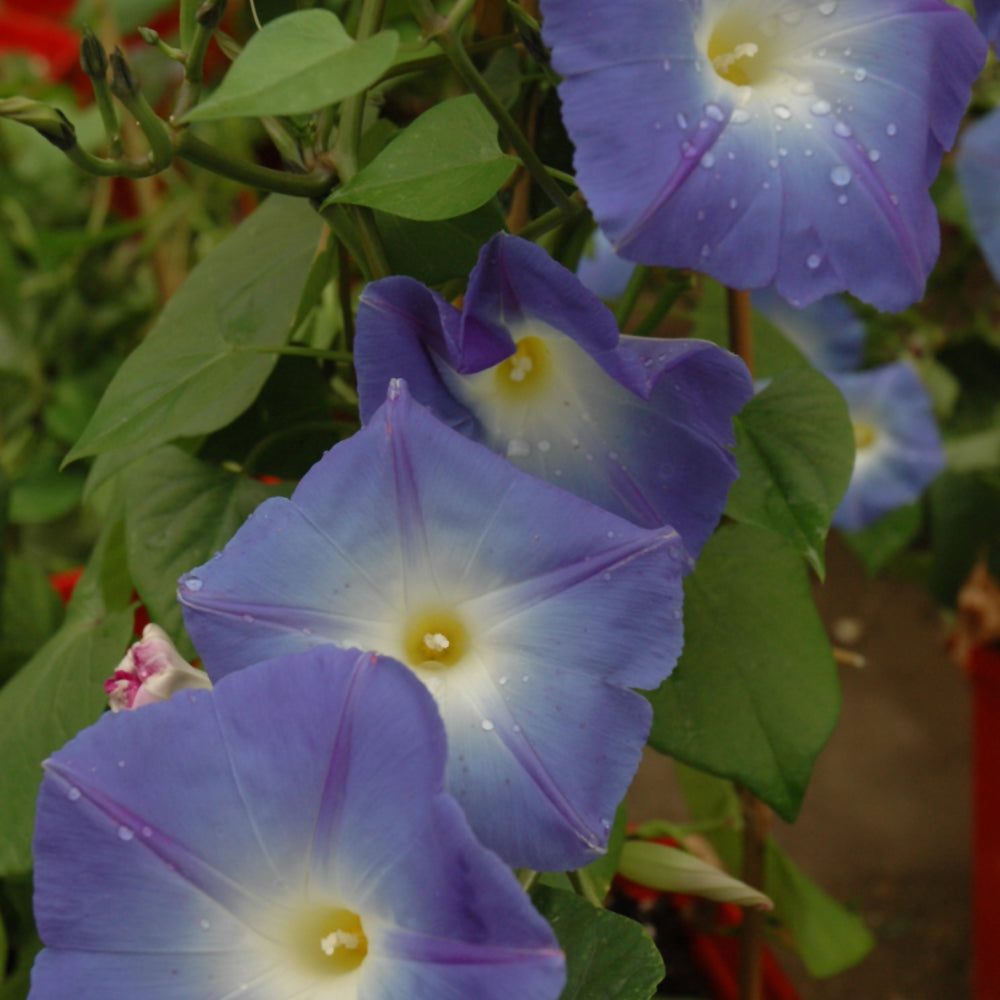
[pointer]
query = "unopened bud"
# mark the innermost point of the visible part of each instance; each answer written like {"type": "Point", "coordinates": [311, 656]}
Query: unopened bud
{"type": "Point", "coordinates": [48, 122]}
{"type": "Point", "coordinates": [151, 671]}
{"type": "Point", "coordinates": [93, 58]}
{"type": "Point", "coordinates": [210, 13]}
{"type": "Point", "coordinates": [149, 35]}
{"type": "Point", "coordinates": [123, 82]}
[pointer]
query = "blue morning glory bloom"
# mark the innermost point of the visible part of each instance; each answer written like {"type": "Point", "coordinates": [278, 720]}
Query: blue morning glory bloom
{"type": "Point", "coordinates": [898, 444]}
{"type": "Point", "coordinates": [534, 367]}
{"type": "Point", "coordinates": [829, 332]}
{"type": "Point", "coordinates": [271, 840]}
{"type": "Point", "coordinates": [784, 142]}
{"type": "Point", "coordinates": [988, 14]}
{"type": "Point", "coordinates": [601, 270]}
{"type": "Point", "coordinates": [528, 613]}
{"type": "Point", "coordinates": [977, 164]}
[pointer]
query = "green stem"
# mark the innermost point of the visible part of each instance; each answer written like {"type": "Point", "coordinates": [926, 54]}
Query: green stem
{"type": "Point", "coordinates": [583, 885]}
{"type": "Point", "coordinates": [112, 127]}
{"type": "Point", "coordinates": [630, 296]}
{"type": "Point", "coordinates": [677, 284]}
{"type": "Point", "coordinates": [434, 26]}
{"type": "Point", "coordinates": [207, 19]}
{"type": "Point", "coordinates": [426, 64]}
{"type": "Point", "coordinates": [458, 14]}
{"type": "Point", "coordinates": [550, 220]}
{"type": "Point", "coordinates": [527, 877]}
{"type": "Point", "coordinates": [194, 150]}
{"type": "Point", "coordinates": [108, 168]}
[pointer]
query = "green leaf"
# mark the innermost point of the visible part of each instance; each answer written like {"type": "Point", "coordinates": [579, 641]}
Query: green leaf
{"type": "Point", "coordinates": [882, 541]}
{"type": "Point", "coordinates": [179, 511]}
{"type": "Point", "coordinates": [755, 695]}
{"type": "Point", "coordinates": [46, 497]}
{"type": "Point", "coordinates": [608, 957]}
{"type": "Point", "coordinates": [30, 611]}
{"type": "Point", "coordinates": [795, 450]}
{"type": "Point", "coordinates": [296, 64]}
{"type": "Point", "coordinates": [828, 937]}
{"type": "Point", "coordinates": [59, 692]}
{"type": "Point", "coordinates": [445, 164]}
{"type": "Point", "coordinates": [198, 368]}
{"type": "Point", "coordinates": [436, 252]}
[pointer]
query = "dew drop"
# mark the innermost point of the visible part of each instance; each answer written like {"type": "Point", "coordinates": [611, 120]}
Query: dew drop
{"type": "Point", "coordinates": [682, 120]}
{"type": "Point", "coordinates": [772, 162]}
{"type": "Point", "coordinates": [706, 250]}
{"type": "Point", "coordinates": [874, 155]}
{"type": "Point", "coordinates": [516, 448]}
{"type": "Point", "coordinates": [813, 261]}
{"type": "Point", "coordinates": [73, 794]}
{"type": "Point", "coordinates": [708, 160]}
{"type": "Point", "coordinates": [193, 583]}
{"type": "Point", "coordinates": [121, 763]}
{"type": "Point", "coordinates": [827, 7]}
{"type": "Point", "coordinates": [843, 130]}
{"type": "Point", "coordinates": [782, 111]}
{"type": "Point", "coordinates": [124, 833]}
{"type": "Point", "coordinates": [841, 175]}
{"type": "Point", "coordinates": [204, 925]}
{"type": "Point", "coordinates": [544, 446]}
{"type": "Point", "coordinates": [842, 199]}
{"type": "Point", "coordinates": [714, 112]}
{"type": "Point", "coordinates": [821, 108]}
{"type": "Point", "coordinates": [733, 203]}
{"type": "Point", "coordinates": [891, 129]}
{"type": "Point", "coordinates": [860, 75]}
{"type": "Point", "coordinates": [525, 679]}
{"type": "Point", "coordinates": [502, 680]}
{"type": "Point", "coordinates": [606, 577]}
{"type": "Point", "coordinates": [247, 617]}
{"type": "Point", "coordinates": [487, 724]}
{"type": "Point", "coordinates": [666, 65]}
{"type": "Point", "coordinates": [147, 831]}
{"type": "Point", "coordinates": [740, 116]}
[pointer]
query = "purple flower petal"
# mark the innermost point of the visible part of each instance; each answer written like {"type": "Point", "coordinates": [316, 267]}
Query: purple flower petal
{"type": "Point", "coordinates": [194, 850]}
{"type": "Point", "coordinates": [899, 448]}
{"type": "Point", "coordinates": [977, 164]}
{"type": "Point", "coordinates": [413, 541]}
{"type": "Point", "coordinates": [765, 143]}
{"type": "Point", "coordinates": [828, 332]}
{"type": "Point", "coordinates": [640, 427]}
{"type": "Point", "coordinates": [602, 271]}
{"type": "Point", "coordinates": [988, 14]}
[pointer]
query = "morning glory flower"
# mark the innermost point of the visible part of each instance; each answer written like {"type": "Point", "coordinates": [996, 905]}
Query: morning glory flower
{"type": "Point", "coordinates": [275, 841]}
{"type": "Point", "coordinates": [784, 142]}
{"type": "Point", "coordinates": [528, 613]}
{"type": "Point", "coordinates": [601, 270]}
{"type": "Point", "coordinates": [977, 164]}
{"type": "Point", "coordinates": [152, 670]}
{"type": "Point", "coordinates": [829, 332]}
{"type": "Point", "coordinates": [534, 367]}
{"type": "Point", "coordinates": [898, 445]}
{"type": "Point", "coordinates": [988, 14]}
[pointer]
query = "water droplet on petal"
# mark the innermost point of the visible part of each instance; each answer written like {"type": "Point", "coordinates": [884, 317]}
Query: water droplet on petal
{"type": "Point", "coordinates": [813, 261]}
{"type": "Point", "coordinates": [843, 130]}
{"type": "Point", "coordinates": [874, 155]}
{"type": "Point", "coordinates": [708, 160]}
{"type": "Point", "coordinates": [782, 111]}
{"type": "Point", "coordinates": [517, 448]}
{"type": "Point", "coordinates": [682, 120]}
{"type": "Point", "coordinates": [891, 128]}
{"type": "Point", "coordinates": [73, 794]}
{"type": "Point", "coordinates": [204, 925]}
{"type": "Point", "coordinates": [487, 724]}
{"type": "Point", "coordinates": [860, 75]}
{"type": "Point", "coordinates": [740, 116]}
{"type": "Point", "coordinates": [544, 446]}
{"type": "Point", "coordinates": [841, 175]}
{"type": "Point", "coordinates": [714, 112]}
{"type": "Point", "coordinates": [124, 833]}
{"type": "Point", "coordinates": [827, 7]}
{"type": "Point", "coordinates": [821, 108]}
{"type": "Point", "coordinates": [193, 583]}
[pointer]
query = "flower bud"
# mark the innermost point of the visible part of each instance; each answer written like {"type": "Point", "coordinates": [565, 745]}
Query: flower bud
{"type": "Point", "coordinates": [93, 58]}
{"type": "Point", "coordinates": [151, 671]}
{"type": "Point", "coordinates": [210, 13]}
{"type": "Point", "coordinates": [48, 122]}
{"type": "Point", "coordinates": [124, 85]}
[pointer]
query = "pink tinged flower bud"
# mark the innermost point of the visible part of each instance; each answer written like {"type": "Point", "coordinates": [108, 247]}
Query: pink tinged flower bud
{"type": "Point", "coordinates": [152, 670]}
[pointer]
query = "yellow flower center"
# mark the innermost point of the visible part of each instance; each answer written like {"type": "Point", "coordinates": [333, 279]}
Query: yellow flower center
{"type": "Point", "coordinates": [435, 638]}
{"type": "Point", "coordinates": [526, 371]}
{"type": "Point", "coordinates": [331, 941]}
{"type": "Point", "coordinates": [864, 435]}
{"type": "Point", "coordinates": [739, 51]}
